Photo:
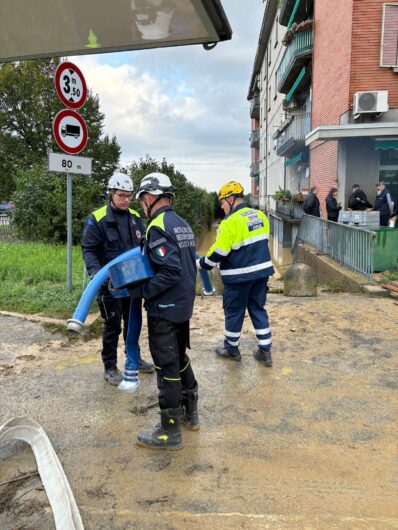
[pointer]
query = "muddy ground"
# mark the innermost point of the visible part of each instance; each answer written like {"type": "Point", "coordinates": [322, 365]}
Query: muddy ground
{"type": "Point", "coordinates": [309, 444]}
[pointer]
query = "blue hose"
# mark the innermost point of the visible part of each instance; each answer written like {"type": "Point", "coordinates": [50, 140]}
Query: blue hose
{"type": "Point", "coordinates": [207, 287]}
{"type": "Point", "coordinates": [76, 323]}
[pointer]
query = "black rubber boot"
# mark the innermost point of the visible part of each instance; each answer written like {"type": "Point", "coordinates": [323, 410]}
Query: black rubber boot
{"type": "Point", "coordinates": [166, 435]}
{"type": "Point", "coordinates": [190, 416]}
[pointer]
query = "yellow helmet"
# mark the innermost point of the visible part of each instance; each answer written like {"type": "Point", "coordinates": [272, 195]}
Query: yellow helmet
{"type": "Point", "coordinates": [230, 188]}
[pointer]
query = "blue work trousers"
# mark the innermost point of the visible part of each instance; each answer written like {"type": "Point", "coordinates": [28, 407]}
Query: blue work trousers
{"type": "Point", "coordinates": [239, 296]}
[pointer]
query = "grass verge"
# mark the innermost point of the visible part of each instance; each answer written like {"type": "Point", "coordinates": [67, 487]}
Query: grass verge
{"type": "Point", "coordinates": [33, 279]}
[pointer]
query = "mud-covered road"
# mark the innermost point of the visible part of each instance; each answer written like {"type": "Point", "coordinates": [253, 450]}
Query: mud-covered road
{"type": "Point", "coordinates": [309, 444]}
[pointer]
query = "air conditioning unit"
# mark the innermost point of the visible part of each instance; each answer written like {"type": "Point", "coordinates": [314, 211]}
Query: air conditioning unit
{"type": "Point", "coordinates": [370, 102]}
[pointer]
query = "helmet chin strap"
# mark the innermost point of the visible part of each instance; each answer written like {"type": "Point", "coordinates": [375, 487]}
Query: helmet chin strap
{"type": "Point", "coordinates": [229, 204]}
{"type": "Point", "coordinates": [150, 206]}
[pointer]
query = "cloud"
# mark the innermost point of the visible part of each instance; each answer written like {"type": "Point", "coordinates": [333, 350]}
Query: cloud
{"type": "Point", "coordinates": [186, 104]}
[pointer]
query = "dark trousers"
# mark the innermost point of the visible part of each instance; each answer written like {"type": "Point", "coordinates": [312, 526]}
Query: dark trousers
{"type": "Point", "coordinates": [384, 220]}
{"type": "Point", "coordinates": [236, 298]}
{"type": "Point", "coordinates": [113, 311]}
{"type": "Point", "coordinates": [168, 342]}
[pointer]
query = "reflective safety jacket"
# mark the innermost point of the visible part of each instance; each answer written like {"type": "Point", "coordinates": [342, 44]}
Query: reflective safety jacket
{"type": "Point", "coordinates": [109, 233]}
{"type": "Point", "coordinates": [241, 247]}
{"type": "Point", "coordinates": [170, 246]}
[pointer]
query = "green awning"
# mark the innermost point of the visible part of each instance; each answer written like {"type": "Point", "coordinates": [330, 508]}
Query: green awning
{"type": "Point", "coordinates": [386, 144]}
{"type": "Point", "coordinates": [294, 160]}
{"type": "Point", "coordinates": [295, 85]}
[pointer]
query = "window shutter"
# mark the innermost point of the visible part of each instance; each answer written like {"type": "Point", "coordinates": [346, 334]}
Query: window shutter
{"type": "Point", "coordinates": [389, 36]}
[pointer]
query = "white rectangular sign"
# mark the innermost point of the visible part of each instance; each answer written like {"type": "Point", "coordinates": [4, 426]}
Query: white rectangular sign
{"type": "Point", "coordinates": [63, 163]}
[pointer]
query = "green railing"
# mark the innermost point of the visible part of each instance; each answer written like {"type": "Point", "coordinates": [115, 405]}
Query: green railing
{"type": "Point", "coordinates": [300, 45]}
{"type": "Point", "coordinates": [255, 169]}
{"type": "Point", "coordinates": [255, 107]}
{"type": "Point", "coordinates": [255, 138]}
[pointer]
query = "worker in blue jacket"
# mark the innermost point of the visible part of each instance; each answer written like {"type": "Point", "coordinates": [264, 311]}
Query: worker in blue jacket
{"type": "Point", "coordinates": [109, 232]}
{"type": "Point", "coordinates": [169, 298]}
{"type": "Point", "coordinates": [384, 204]}
{"type": "Point", "coordinates": [241, 251]}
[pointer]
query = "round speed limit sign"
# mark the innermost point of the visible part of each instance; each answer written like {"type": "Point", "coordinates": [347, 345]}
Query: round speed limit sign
{"type": "Point", "coordinates": [70, 85]}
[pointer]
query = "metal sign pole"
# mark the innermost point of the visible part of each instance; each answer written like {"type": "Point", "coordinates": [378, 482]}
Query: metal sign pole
{"type": "Point", "coordinates": [69, 230]}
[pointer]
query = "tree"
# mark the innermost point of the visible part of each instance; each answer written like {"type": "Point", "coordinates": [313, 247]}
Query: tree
{"type": "Point", "coordinates": [194, 204]}
{"type": "Point", "coordinates": [28, 104]}
{"type": "Point", "coordinates": [40, 204]}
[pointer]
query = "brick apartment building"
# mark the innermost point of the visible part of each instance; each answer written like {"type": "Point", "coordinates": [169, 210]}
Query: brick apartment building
{"type": "Point", "coordinates": [328, 102]}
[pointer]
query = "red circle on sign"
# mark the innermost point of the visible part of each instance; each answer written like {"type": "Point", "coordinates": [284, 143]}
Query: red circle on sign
{"type": "Point", "coordinates": [59, 131]}
{"type": "Point", "coordinates": [66, 77]}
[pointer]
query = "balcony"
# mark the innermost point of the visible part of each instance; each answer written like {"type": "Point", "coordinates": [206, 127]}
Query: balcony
{"type": "Point", "coordinates": [255, 107]}
{"type": "Point", "coordinates": [292, 139]}
{"type": "Point", "coordinates": [255, 169]}
{"type": "Point", "coordinates": [289, 210]}
{"type": "Point", "coordinates": [254, 201]}
{"type": "Point", "coordinates": [297, 55]}
{"type": "Point", "coordinates": [255, 138]}
{"type": "Point", "coordinates": [286, 9]}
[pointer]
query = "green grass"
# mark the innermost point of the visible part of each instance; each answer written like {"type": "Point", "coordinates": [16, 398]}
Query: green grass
{"type": "Point", "coordinates": [390, 275]}
{"type": "Point", "coordinates": [33, 279]}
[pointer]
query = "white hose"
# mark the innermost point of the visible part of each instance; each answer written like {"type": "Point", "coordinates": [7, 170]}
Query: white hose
{"type": "Point", "coordinates": [65, 511]}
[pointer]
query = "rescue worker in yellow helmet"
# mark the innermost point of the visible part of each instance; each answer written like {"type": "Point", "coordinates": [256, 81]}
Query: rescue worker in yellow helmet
{"type": "Point", "coordinates": [242, 253]}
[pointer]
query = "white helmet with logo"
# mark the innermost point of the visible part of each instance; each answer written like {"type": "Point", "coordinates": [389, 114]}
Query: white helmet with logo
{"type": "Point", "coordinates": [156, 184]}
{"type": "Point", "coordinates": [120, 181]}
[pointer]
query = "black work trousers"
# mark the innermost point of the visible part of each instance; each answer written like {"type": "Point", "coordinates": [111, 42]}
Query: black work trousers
{"type": "Point", "coordinates": [113, 311]}
{"type": "Point", "coordinates": [168, 342]}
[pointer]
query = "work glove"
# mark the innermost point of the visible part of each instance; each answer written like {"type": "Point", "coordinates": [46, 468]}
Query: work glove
{"type": "Point", "coordinates": [198, 264]}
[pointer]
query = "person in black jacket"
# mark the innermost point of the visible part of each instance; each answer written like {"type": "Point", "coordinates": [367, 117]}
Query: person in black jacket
{"type": "Point", "coordinates": [311, 204]}
{"type": "Point", "coordinates": [358, 199]}
{"type": "Point", "coordinates": [169, 298]}
{"type": "Point", "coordinates": [109, 232]}
{"type": "Point", "coordinates": [384, 204]}
{"type": "Point", "coordinates": [332, 207]}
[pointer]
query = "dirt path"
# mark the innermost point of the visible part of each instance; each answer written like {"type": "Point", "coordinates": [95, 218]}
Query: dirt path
{"type": "Point", "coordinates": [308, 444]}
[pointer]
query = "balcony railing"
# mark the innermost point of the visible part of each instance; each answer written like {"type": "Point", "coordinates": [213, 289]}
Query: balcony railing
{"type": "Point", "coordinates": [255, 107]}
{"type": "Point", "coordinates": [255, 169]}
{"type": "Point", "coordinates": [289, 209]}
{"type": "Point", "coordinates": [292, 139]}
{"type": "Point", "coordinates": [295, 57]}
{"type": "Point", "coordinates": [254, 201]}
{"type": "Point", "coordinates": [255, 138]}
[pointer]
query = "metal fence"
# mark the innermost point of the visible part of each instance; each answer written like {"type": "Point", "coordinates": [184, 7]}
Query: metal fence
{"type": "Point", "coordinates": [5, 222]}
{"type": "Point", "coordinates": [350, 246]}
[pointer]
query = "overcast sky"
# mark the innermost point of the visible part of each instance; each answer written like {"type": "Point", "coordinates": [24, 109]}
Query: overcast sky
{"type": "Point", "coordinates": [185, 104]}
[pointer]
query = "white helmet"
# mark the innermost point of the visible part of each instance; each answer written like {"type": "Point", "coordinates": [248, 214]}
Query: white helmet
{"type": "Point", "coordinates": [155, 184]}
{"type": "Point", "coordinates": [120, 181]}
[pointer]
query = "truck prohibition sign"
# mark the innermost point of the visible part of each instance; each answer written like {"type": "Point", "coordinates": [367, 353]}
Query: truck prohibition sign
{"type": "Point", "coordinates": [70, 131]}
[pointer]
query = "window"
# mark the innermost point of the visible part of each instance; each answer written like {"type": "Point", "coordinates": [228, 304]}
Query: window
{"type": "Point", "coordinates": [276, 31]}
{"type": "Point", "coordinates": [269, 52]}
{"type": "Point", "coordinates": [269, 98]}
{"type": "Point", "coordinates": [389, 36]}
{"type": "Point", "coordinates": [276, 85]}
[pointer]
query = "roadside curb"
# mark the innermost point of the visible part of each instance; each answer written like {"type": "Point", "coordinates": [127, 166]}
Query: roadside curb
{"type": "Point", "coordinates": [91, 318]}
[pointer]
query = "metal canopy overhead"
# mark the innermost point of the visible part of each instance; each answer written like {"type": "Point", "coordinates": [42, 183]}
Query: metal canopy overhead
{"type": "Point", "coordinates": [351, 130]}
{"type": "Point", "coordinates": [49, 28]}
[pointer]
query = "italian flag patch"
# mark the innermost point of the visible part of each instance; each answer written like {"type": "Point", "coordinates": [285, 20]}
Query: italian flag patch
{"type": "Point", "coordinates": [161, 251]}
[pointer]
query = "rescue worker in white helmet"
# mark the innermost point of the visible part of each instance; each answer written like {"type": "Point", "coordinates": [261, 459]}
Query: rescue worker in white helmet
{"type": "Point", "coordinates": [169, 297]}
{"type": "Point", "coordinates": [109, 232]}
{"type": "Point", "coordinates": [242, 253]}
